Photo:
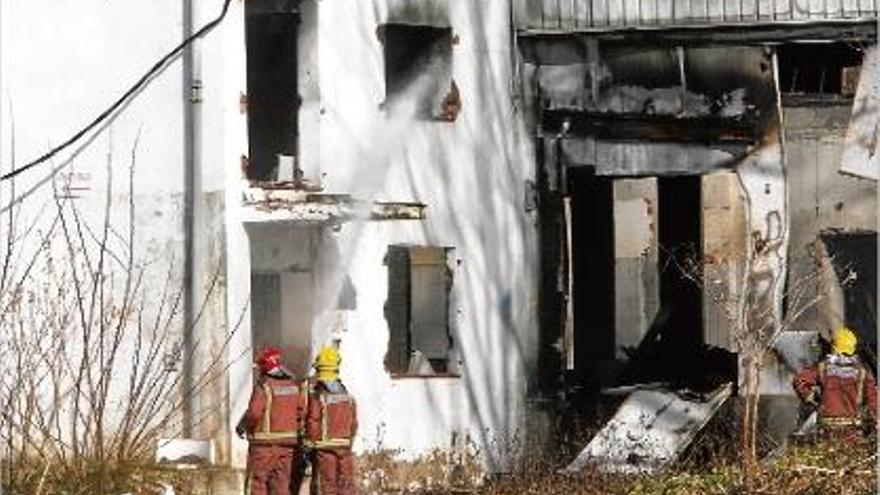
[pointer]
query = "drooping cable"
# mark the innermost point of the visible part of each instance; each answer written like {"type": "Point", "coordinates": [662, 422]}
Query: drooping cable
{"type": "Point", "coordinates": [134, 89]}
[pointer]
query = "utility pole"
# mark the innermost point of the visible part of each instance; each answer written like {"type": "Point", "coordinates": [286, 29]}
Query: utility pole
{"type": "Point", "coordinates": [192, 98]}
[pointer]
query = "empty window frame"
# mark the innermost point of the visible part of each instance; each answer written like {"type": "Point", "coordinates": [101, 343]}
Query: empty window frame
{"type": "Point", "coordinates": [272, 96]}
{"type": "Point", "coordinates": [418, 71]}
{"type": "Point", "coordinates": [418, 311]}
{"type": "Point", "coordinates": [825, 69]}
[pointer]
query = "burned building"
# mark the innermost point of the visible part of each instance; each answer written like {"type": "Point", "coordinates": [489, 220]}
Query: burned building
{"type": "Point", "coordinates": [693, 157]}
{"type": "Point", "coordinates": [500, 211]}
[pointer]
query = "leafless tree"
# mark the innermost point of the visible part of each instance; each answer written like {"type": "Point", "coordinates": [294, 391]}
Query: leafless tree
{"type": "Point", "coordinates": [755, 328]}
{"type": "Point", "coordinates": [90, 377]}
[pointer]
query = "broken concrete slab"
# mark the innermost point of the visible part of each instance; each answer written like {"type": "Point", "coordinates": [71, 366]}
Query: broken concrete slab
{"type": "Point", "coordinates": [185, 451]}
{"type": "Point", "coordinates": [308, 207]}
{"type": "Point", "coordinates": [650, 430]}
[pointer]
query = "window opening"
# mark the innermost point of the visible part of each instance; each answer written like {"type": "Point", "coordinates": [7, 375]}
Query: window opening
{"type": "Point", "coordinates": [418, 311]}
{"type": "Point", "coordinates": [272, 97]}
{"type": "Point", "coordinates": [418, 71]}
{"type": "Point", "coordinates": [819, 69]}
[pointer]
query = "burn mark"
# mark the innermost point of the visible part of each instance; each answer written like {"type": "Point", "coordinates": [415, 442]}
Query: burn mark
{"type": "Point", "coordinates": [710, 129]}
{"type": "Point", "coordinates": [451, 105]}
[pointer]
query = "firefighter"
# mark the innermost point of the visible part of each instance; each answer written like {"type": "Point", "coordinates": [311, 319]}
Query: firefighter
{"type": "Point", "coordinates": [842, 390]}
{"type": "Point", "coordinates": [331, 424]}
{"type": "Point", "coordinates": [273, 425]}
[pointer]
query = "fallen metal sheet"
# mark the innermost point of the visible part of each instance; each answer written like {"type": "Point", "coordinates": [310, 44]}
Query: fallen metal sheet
{"type": "Point", "coordinates": [808, 427]}
{"type": "Point", "coordinates": [649, 431]}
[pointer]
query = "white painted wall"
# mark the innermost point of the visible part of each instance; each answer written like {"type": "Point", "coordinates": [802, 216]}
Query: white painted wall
{"type": "Point", "coordinates": [62, 64]}
{"type": "Point", "coordinates": [471, 174]}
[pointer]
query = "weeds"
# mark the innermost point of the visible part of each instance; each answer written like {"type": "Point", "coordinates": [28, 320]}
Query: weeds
{"type": "Point", "coordinates": [92, 335]}
{"type": "Point", "coordinates": [43, 477]}
{"type": "Point", "coordinates": [824, 468]}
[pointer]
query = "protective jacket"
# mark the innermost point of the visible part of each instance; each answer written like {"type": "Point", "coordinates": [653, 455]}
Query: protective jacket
{"type": "Point", "coordinates": [843, 390]}
{"type": "Point", "coordinates": [331, 421]}
{"type": "Point", "coordinates": [276, 412]}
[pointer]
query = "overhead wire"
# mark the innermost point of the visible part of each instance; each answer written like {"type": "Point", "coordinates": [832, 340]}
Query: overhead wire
{"type": "Point", "coordinates": [122, 100]}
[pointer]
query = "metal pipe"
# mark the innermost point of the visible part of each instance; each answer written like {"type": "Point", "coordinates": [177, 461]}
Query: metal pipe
{"type": "Point", "coordinates": [191, 187]}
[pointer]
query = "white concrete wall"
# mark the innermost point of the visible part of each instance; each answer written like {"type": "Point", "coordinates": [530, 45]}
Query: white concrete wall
{"type": "Point", "coordinates": [471, 173]}
{"type": "Point", "coordinates": [64, 63]}
{"type": "Point", "coordinates": [61, 65]}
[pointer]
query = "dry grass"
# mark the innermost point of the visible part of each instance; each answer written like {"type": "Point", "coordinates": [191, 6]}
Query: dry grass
{"type": "Point", "coordinates": [822, 469]}
{"type": "Point", "coordinates": [438, 472]}
{"type": "Point", "coordinates": [58, 477]}
{"type": "Point", "coordinates": [825, 468]}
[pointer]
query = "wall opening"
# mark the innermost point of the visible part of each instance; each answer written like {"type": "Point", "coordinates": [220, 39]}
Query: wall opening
{"type": "Point", "coordinates": [272, 96]}
{"type": "Point", "coordinates": [855, 254]}
{"type": "Point", "coordinates": [819, 69]}
{"type": "Point", "coordinates": [266, 309]}
{"type": "Point", "coordinates": [680, 256]}
{"type": "Point", "coordinates": [418, 70]}
{"type": "Point", "coordinates": [282, 314]}
{"type": "Point", "coordinates": [593, 266]}
{"type": "Point", "coordinates": [418, 311]}
{"type": "Point", "coordinates": [283, 291]}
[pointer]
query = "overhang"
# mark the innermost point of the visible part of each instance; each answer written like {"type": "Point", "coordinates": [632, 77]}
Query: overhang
{"type": "Point", "coordinates": [263, 205]}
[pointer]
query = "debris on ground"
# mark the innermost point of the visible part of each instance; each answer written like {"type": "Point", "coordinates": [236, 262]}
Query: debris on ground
{"type": "Point", "coordinates": [650, 430]}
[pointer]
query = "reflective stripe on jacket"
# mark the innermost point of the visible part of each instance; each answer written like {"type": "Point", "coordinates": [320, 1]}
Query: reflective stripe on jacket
{"type": "Point", "coordinates": [276, 412]}
{"type": "Point", "coordinates": [331, 421]}
{"type": "Point", "coordinates": [844, 390]}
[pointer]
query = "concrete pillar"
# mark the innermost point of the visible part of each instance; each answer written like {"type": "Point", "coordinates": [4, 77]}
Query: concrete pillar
{"type": "Point", "coordinates": [724, 251]}
{"type": "Point", "coordinates": [636, 274]}
{"type": "Point", "coordinates": [309, 118]}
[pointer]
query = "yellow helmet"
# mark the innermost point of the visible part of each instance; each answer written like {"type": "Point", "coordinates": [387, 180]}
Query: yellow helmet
{"type": "Point", "coordinates": [327, 363]}
{"type": "Point", "coordinates": [843, 341]}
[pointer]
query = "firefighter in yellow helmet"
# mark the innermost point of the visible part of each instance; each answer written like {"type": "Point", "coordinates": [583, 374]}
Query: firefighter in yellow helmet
{"type": "Point", "coordinates": [842, 389]}
{"type": "Point", "coordinates": [331, 424]}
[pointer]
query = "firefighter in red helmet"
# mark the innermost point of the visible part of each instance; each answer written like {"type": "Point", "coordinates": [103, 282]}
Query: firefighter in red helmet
{"type": "Point", "coordinates": [331, 424]}
{"type": "Point", "coordinates": [273, 424]}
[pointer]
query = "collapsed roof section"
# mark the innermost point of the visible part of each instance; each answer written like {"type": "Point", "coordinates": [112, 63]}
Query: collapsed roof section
{"type": "Point", "coordinates": [630, 110]}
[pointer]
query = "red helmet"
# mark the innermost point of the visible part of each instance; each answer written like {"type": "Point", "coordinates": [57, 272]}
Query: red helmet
{"type": "Point", "coordinates": [269, 359]}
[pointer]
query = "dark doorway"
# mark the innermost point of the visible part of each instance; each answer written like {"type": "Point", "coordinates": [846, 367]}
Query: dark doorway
{"type": "Point", "coordinates": [272, 97]}
{"type": "Point", "coordinates": [592, 275]}
{"type": "Point", "coordinates": [592, 230]}
{"type": "Point", "coordinates": [854, 256]}
{"type": "Point", "coordinates": [680, 256]}
{"type": "Point", "coordinates": [266, 309]}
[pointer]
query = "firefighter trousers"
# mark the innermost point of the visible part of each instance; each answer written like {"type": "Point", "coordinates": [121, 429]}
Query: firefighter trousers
{"type": "Point", "coordinates": [271, 469]}
{"type": "Point", "coordinates": [333, 472]}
